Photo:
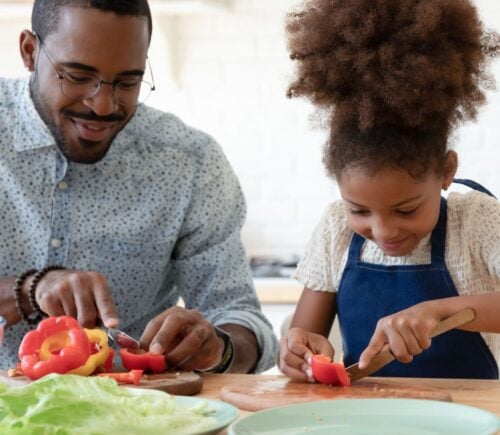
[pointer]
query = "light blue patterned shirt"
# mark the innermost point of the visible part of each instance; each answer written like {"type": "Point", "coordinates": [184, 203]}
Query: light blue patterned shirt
{"type": "Point", "coordinates": [159, 216]}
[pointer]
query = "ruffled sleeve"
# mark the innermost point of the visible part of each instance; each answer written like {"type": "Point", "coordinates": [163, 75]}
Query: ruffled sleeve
{"type": "Point", "coordinates": [325, 256]}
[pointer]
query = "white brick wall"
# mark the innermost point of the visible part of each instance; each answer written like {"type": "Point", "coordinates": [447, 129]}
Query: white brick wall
{"type": "Point", "coordinates": [226, 73]}
{"type": "Point", "coordinates": [233, 73]}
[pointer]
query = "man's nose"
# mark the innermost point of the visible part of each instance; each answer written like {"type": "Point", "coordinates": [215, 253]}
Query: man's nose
{"type": "Point", "coordinates": [104, 101]}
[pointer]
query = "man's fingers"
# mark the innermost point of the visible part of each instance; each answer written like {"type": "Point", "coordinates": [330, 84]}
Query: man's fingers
{"type": "Point", "coordinates": [103, 301]}
{"type": "Point", "coordinates": [162, 334]}
{"type": "Point", "coordinates": [69, 306]}
{"type": "Point", "coordinates": [197, 341]}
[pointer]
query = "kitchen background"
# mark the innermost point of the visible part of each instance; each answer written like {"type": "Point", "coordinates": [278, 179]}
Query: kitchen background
{"type": "Point", "coordinates": [223, 67]}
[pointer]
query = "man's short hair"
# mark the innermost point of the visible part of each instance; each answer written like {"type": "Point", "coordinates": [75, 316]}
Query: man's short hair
{"type": "Point", "coordinates": [45, 14]}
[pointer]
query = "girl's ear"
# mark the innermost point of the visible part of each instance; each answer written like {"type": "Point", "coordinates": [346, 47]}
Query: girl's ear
{"type": "Point", "coordinates": [450, 169]}
{"type": "Point", "coordinates": [27, 47]}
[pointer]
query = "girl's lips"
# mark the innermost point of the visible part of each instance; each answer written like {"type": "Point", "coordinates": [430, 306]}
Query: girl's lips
{"type": "Point", "coordinates": [390, 246]}
{"type": "Point", "coordinates": [93, 132]}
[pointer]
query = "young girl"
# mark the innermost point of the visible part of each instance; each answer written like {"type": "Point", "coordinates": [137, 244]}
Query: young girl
{"type": "Point", "coordinates": [393, 258]}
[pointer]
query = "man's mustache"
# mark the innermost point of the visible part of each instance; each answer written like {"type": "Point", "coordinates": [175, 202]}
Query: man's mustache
{"type": "Point", "coordinates": [91, 116]}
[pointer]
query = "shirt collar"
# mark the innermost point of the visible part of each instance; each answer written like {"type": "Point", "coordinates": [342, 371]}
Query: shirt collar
{"type": "Point", "coordinates": [30, 130]}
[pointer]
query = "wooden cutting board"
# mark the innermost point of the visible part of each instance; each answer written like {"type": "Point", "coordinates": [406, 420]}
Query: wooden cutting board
{"type": "Point", "coordinates": [271, 393]}
{"type": "Point", "coordinates": [178, 383]}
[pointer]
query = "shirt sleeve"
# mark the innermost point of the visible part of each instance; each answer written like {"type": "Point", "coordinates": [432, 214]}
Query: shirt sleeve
{"type": "Point", "coordinates": [325, 256]}
{"type": "Point", "coordinates": [209, 260]}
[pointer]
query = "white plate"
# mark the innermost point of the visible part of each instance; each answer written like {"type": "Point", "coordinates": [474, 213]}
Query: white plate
{"type": "Point", "coordinates": [369, 416]}
{"type": "Point", "coordinates": [223, 412]}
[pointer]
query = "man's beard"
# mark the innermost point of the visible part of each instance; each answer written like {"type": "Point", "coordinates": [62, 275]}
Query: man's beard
{"type": "Point", "coordinates": [61, 142]}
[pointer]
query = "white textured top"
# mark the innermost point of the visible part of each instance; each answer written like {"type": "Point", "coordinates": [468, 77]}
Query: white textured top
{"type": "Point", "coordinates": [472, 250]}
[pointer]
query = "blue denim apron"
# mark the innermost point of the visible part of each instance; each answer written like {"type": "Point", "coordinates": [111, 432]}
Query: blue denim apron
{"type": "Point", "coordinates": [368, 292]}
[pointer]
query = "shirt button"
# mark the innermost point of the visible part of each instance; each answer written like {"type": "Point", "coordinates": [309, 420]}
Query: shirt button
{"type": "Point", "coordinates": [56, 243]}
{"type": "Point", "coordinates": [62, 185]}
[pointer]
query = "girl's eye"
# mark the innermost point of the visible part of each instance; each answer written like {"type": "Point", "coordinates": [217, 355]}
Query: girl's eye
{"type": "Point", "coordinates": [407, 212]}
{"type": "Point", "coordinates": [359, 212]}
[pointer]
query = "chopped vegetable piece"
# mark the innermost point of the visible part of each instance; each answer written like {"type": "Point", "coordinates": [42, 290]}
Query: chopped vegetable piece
{"type": "Point", "coordinates": [328, 372]}
{"type": "Point", "coordinates": [142, 360]}
{"type": "Point", "coordinates": [82, 405]}
{"type": "Point", "coordinates": [131, 377]}
{"type": "Point", "coordinates": [65, 347]}
{"type": "Point", "coordinates": [100, 352]}
{"type": "Point", "coordinates": [108, 364]}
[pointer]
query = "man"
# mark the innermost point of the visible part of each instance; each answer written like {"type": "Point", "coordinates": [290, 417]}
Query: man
{"type": "Point", "coordinates": [138, 207]}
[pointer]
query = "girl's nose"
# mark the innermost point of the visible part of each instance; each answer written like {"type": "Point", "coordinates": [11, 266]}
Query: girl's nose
{"type": "Point", "coordinates": [384, 231]}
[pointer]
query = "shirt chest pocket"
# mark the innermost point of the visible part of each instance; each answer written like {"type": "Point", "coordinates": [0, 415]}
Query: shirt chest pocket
{"type": "Point", "coordinates": [135, 272]}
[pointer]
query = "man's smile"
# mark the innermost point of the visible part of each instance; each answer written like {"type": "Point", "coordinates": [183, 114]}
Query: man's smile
{"type": "Point", "coordinates": [92, 131]}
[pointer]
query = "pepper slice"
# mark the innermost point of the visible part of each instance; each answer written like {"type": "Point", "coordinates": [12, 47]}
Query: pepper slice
{"type": "Point", "coordinates": [67, 347]}
{"type": "Point", "coordinates": [99, 355]}
{"type": "Point", "coordinates": [131, 377]}
{"type": "Point", "coordinates": [328, 372]}
{"type": "Point", "coordinates": [142, 360]}
{"type": "Point", "coordinates": [108, 364]}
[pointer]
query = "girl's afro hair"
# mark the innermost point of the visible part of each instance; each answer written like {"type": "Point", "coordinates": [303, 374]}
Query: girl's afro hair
{"type": "Point", "coordinates": [412, 68]}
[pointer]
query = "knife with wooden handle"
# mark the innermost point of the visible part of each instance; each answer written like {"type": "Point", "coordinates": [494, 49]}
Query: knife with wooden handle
{"type": "Point", "coordinates": [383, 358]}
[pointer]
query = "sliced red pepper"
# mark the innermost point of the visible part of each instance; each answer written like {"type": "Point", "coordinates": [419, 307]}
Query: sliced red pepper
{"type": "Point", "coordinates": [108, 364]}
{"type": "Point", "coordinates": [69, 347]}
{"type": "Point", "coordinates": [142, 360]}
{"type": "Point", "coordinates": [131, 377]}
{"type": "Point", "coordinates": [328, 372]}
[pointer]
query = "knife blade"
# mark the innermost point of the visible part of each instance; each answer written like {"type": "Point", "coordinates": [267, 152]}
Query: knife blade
{"type": "Point", "coordinates": [122, 339]}
{"type": "Point", "coordinates": [383, 358]}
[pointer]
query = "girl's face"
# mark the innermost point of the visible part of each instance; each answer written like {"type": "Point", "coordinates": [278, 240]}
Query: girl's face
{"type": "Point", "coordinates": [391, 208]}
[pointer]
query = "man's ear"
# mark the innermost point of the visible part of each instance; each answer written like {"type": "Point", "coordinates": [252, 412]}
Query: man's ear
{"type": "Point", "coordinates": [28, 49]}
{"type": "Point", "coordinates": [450, 169]}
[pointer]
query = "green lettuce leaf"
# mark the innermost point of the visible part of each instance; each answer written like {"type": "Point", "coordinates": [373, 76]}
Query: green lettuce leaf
{"type": "Point", "coordinates": [71, 404]}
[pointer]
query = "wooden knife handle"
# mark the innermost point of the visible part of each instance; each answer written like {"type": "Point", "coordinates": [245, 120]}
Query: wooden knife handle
{"type": "Point", "coordinates": [458, 319]}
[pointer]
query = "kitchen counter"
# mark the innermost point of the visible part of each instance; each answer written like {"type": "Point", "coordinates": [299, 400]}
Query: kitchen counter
{"type": "Point", "coordinates": [484, 394]}
{"type": "Point", "coordinates": [277, 290]}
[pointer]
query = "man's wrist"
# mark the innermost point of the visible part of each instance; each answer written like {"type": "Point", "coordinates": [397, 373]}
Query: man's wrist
{"type": "Point", "coordinates": [227, 353]}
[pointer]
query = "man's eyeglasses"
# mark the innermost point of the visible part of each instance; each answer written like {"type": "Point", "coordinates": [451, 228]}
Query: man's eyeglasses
{"type": "Point", "coordinates": [81, 85]}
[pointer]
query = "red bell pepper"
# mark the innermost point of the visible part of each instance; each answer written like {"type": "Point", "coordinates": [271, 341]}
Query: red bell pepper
{"type": "Point", "coordinates": [131, 377]}
{"type": "Point", "coordinates": [328, 372]}
{"type": "Point", "coordinates": [67, 344]}
{"type": "Point", "coordinates": [108, 364]}
{"type": "Point", "coordinates": [142, 360]}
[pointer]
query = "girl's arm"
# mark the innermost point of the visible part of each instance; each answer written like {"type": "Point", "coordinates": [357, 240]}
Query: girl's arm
{"type": "Point", "coordinates": [308, 334]}
{"type": "Point", "coordinates": [407, 333]}
{"type": "Point", "coordinates": [486, 307]}
{"type": "Point", "coordinates": [315, 311]}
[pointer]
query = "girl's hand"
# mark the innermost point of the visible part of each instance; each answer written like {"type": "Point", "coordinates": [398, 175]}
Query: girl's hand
{"type": "Point", "coordinates": [296, 350]}
{"type": "Point", "coordinates": [406, 333]}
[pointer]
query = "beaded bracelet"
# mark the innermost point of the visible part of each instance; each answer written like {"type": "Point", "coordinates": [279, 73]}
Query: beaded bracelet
{"type": "Point", "coordinates": [18, 287]}
{"type": "Point", "coordinates": [32, 290]}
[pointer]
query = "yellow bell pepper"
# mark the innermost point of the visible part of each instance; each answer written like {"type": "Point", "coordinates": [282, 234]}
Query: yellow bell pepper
{"type": "Point", "coordinates": [53, 344]}
{"type": "Point", "coordinates": [99, 339]}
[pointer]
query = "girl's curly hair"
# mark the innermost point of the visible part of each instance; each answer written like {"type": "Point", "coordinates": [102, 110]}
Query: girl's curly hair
{"type": "Point", "coordinates": [394, 77]}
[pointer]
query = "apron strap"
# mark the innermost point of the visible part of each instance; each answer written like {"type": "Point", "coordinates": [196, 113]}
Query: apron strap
{"type": "Point", "coordinates": [473, 185]}
{"type": "Point", "coordinates": [438, 236]}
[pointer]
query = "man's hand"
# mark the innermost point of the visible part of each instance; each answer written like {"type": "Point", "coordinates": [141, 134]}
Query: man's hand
{"type": "Point", "coordinates": [80, 294]}
{"type": "Point", "coordinates": [186, 338]}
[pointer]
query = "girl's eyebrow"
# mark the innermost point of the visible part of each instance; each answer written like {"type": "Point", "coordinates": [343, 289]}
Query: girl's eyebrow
{"type": "Point", "coordinates": [399, 204]}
